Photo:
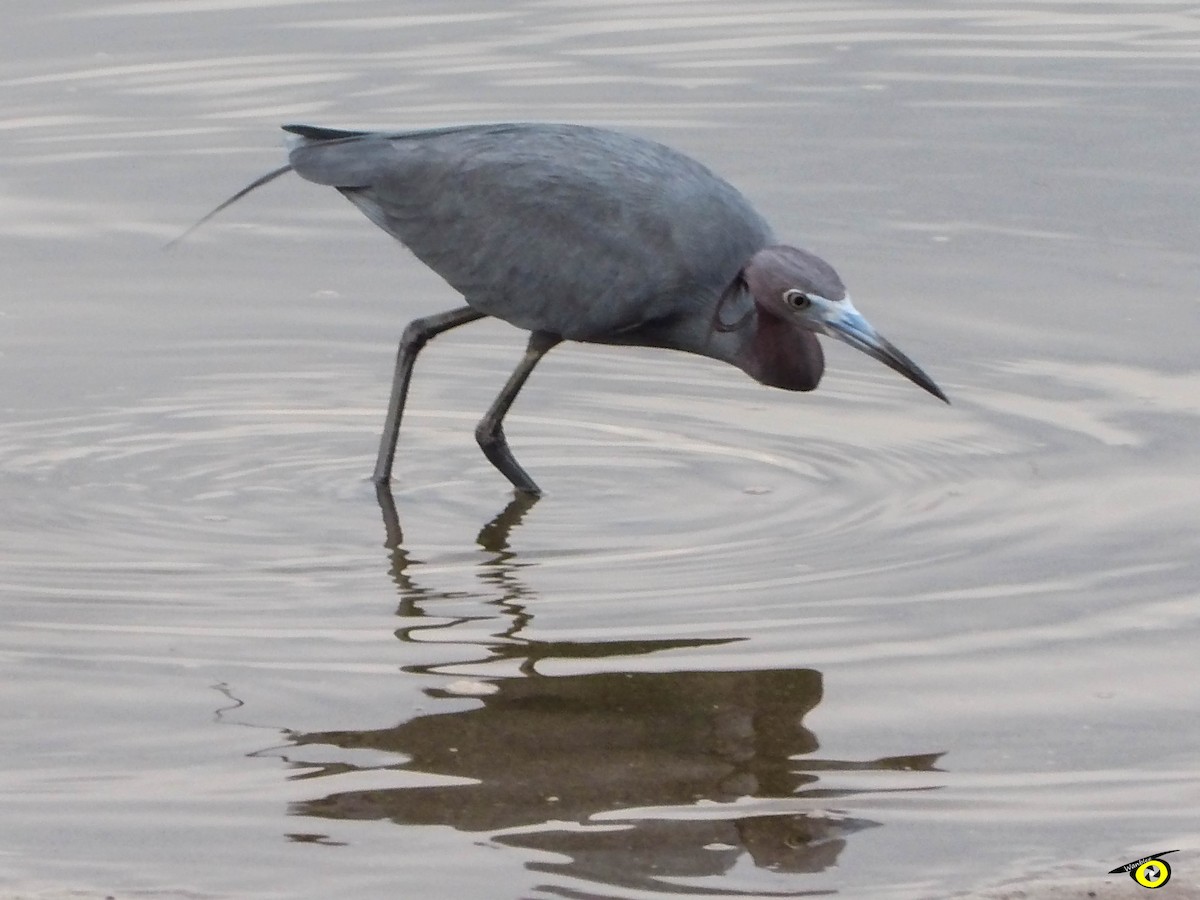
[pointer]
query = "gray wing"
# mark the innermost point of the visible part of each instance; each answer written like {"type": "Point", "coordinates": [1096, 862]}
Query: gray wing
{"type": "Point", "coordinates": [578, 231]}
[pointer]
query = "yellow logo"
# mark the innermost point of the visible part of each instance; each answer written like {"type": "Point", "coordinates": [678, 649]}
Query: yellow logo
{"type": "Point", "coordinates": [1150, 871]}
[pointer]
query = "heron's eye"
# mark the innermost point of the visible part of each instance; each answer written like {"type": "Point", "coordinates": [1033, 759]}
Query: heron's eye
{"type": "Point", "coordinates": [797, 299]}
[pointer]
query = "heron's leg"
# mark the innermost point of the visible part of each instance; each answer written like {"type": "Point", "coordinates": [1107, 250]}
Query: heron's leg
{"type": "Point", "coordinates": [490, 433]}
{"type": "Point", "coordinates": [415, 336]}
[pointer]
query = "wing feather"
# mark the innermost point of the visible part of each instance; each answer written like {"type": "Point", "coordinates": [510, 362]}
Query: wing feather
{"type": "Point", "coordinates": [578, 231]}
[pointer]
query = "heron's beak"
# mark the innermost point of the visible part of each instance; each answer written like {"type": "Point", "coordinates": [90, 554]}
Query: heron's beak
{"type": "Point", "coordinates": [841, 320]}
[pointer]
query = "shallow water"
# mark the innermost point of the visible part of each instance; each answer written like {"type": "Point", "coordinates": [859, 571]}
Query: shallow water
{"type": "Point", "coordinates": [751, 642]}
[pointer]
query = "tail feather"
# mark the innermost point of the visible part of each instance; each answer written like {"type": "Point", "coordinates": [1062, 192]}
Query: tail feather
{"type": "Point", "coordinates": [316, 133]}
{"type": "Point", "coordinates": [257, 183]}
{"type": "Point", "coordinates": [307, 132]}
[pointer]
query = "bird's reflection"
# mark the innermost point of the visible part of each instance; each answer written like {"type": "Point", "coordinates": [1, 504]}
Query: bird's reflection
{"type": "Point", "coordinates": [629, 777]}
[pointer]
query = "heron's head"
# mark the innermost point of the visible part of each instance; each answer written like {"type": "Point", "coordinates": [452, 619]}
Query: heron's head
{"type": "Point", "coordinates": [796, 287]}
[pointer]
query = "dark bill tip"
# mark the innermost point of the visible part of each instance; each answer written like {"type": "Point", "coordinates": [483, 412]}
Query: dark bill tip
{"type": "Point", "coordinates": [894, 359]}
{"type": "Point", "coordinates": [854, 330]}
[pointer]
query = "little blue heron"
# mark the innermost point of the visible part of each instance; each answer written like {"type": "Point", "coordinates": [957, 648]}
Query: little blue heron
{"type": "Point", "coordinates": [583, 234]}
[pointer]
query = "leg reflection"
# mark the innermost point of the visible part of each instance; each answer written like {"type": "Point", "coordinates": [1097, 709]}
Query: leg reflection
{"type": "Point", "coordinates": [497, 571]}
{"type": "Point", "coordinates": [492, 537]}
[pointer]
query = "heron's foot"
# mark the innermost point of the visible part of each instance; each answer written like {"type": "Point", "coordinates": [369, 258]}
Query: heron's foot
{"type": "Point", "coordinates": [495, 447]}
{"type": "Point", "coordinates": [383, 463]}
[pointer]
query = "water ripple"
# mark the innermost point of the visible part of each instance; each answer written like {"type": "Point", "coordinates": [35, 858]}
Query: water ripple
{"type": "Point", "coordinates": [707, 482]}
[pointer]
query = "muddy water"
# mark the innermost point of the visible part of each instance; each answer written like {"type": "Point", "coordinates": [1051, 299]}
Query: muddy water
{"type": "Point", "coordinates": [750, 642]}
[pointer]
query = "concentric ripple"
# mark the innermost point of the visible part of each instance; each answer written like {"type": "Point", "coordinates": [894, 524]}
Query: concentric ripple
{"type": "Point", "coordinates": [667, 479]}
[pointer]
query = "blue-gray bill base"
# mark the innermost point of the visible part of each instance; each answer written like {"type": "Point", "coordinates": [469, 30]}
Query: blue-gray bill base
{"type": "Point", "coordinates": [583, 234]}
